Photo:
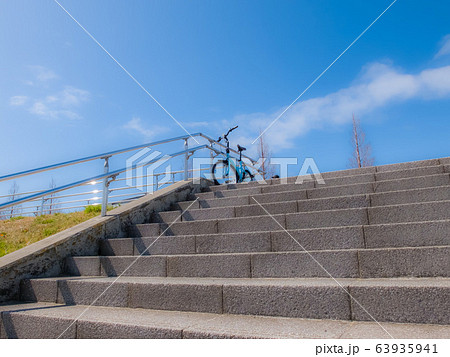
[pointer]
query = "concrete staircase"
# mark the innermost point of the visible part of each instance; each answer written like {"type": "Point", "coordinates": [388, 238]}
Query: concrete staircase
{"type": "Point", "coordinates": [364, 255]}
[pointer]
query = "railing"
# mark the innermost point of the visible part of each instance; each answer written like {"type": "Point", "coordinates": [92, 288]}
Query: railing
{"type": "Point", "coordinates": [47, 201]}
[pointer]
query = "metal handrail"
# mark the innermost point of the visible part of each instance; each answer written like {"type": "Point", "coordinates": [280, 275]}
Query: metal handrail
{"type": "Point", "coordinates": [94, 178]}
{"type": "Point", "coordinates": [110, 154]}
{"type": "Point", "coordinates": [93, 157]}
{"type": "Point", "coordinates": [53, 204]}
{"type": "Point", "coordinates": [108, 176]}
{"type": "Point", "coordinates": [98, 191]}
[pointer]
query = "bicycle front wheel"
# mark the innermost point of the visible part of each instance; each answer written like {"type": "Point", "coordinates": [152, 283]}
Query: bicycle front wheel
{"type": "Point", "coordinates": [223, 173]}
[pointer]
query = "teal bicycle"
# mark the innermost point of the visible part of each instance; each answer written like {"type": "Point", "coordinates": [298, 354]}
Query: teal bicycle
{"type": "Point", "coordinates": [227, 170]}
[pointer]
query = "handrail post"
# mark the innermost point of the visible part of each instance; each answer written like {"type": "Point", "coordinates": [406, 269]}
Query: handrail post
{"type": "Point", "coordinates": [105, 187]}
{"type": "Point", "coordinates": [186, 160]}
{"type": "Point", "coordinates": [156, 182]}
{"type": "Point", "coordinates": [211, 153]}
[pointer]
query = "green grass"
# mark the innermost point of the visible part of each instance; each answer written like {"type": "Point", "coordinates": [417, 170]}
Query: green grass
{"type": "Point", "coordinates": [18, 232]}
{"type": "Point", "coordinates": [96, 208]}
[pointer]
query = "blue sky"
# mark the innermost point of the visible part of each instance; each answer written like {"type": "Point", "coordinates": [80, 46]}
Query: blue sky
{"type": "Point", "coordinates": [214, 64]}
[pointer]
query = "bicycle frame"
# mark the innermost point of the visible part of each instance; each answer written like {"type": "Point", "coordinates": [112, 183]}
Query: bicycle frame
{"type": "Point", "coordinates": [239, 167]}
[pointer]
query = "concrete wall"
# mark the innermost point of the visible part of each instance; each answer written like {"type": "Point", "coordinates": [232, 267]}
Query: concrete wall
{"type": "Point", "coordinates": [45, 258]}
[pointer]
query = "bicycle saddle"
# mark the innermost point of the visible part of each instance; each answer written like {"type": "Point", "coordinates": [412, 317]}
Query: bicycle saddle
{"type": "Point", "coordinates": [241, 148]}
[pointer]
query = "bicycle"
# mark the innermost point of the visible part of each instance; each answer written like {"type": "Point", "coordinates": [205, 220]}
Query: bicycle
{"type": "Point", "coordinates": [221, 169]}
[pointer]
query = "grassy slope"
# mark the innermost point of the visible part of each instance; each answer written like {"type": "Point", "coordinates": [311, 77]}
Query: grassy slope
{"type": "Point", "coordinates": [19, 232]}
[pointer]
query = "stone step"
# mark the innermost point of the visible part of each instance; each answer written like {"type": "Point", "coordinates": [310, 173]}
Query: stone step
{"type": "Point", "coordinates": [288, 206]}
{"type": "Point", "coordinates": [47, 320]}
{"type": "Point", "coordinates": [431, 233]}
{"type": "Point", "coordinates": [439, 193]}
{"type": "Point", "coordinates": [412, 164]}
{"type": "Point", "coordinates": [326, 238]}
{"type": "Point", "coordinates": [342, 263]}
{"type": "Point", "coordinates": [347, 176]}
{"type": "Point", "coordinates": [413, 300]}
{"type": "Point", "coordinates": [395, 169]}
{"type": "Point", "coordinates": [411, 212]}
{"type": "Point", "coordinates": [381, 186]}
{"type": "Point", "coordinates": [293, 192]}
{"type": "Point", "coordinates": [429, 194]}
{"type": "Point", "coordinates": [342, 177]}
{"type": "Point", "coordinates": [241, 200]}
{"type": "Point", "coordinates": [389, 184]}
{"type": "Point", "coordinates": [388, 168]}
{"type": "Point", "coordinates": [203, 244]}
{"type": "Point", "coordinates": [341, 188]}
{"type": "Point", "coordinates": [319, 219]}
{"type": "Point", "coordinates": [377, 250]}
{"type": "Point", "coordinates": [410, 234]}
{"type": "Point", "coordinates": [338, 178]}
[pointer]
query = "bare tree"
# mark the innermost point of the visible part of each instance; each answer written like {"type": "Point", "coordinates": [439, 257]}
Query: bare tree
{"type": "Point", "coordinates": [362, 151]}
{"type": "Point", "coordinates": [13, 195]}
{"type": "Point", "coordinates": [265, 154]}
{"type": "Point", "coordinates": [52, 201]}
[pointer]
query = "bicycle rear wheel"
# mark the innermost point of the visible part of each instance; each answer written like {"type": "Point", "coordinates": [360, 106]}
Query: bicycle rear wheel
{"type": "Point", "coordinates": [221, 174]}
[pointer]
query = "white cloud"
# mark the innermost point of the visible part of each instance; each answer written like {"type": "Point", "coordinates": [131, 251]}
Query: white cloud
{"type": "Point", "coordinates": [379, 85]}
{"type": "Point", "coordinates": [39, 108]}
{"type": "Point", "coordinates": [61, 104]}
{"type": "Point", "coordinates": [445, 47]}
{"type": "Point", "coordinates": [137, 125]}
{"type": "Point", "coordinates": [42, 74]}
{"type": "Point", "coordinates": [71, 96]}
{"type": "Point", "coordinates": [18, 100]}
{"type": "Point", "coordinates": [51, 99]}
{"type": "Point", "coordinates": [436, 82]}
{"type": "Point", "coordinates": [46, 112]}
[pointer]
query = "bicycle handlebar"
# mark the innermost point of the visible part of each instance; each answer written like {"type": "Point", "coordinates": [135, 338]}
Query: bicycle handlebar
{"type": "Point", "coordinates": [229, 131]}
{"type": "Point", "coordinates": [225, 136]}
